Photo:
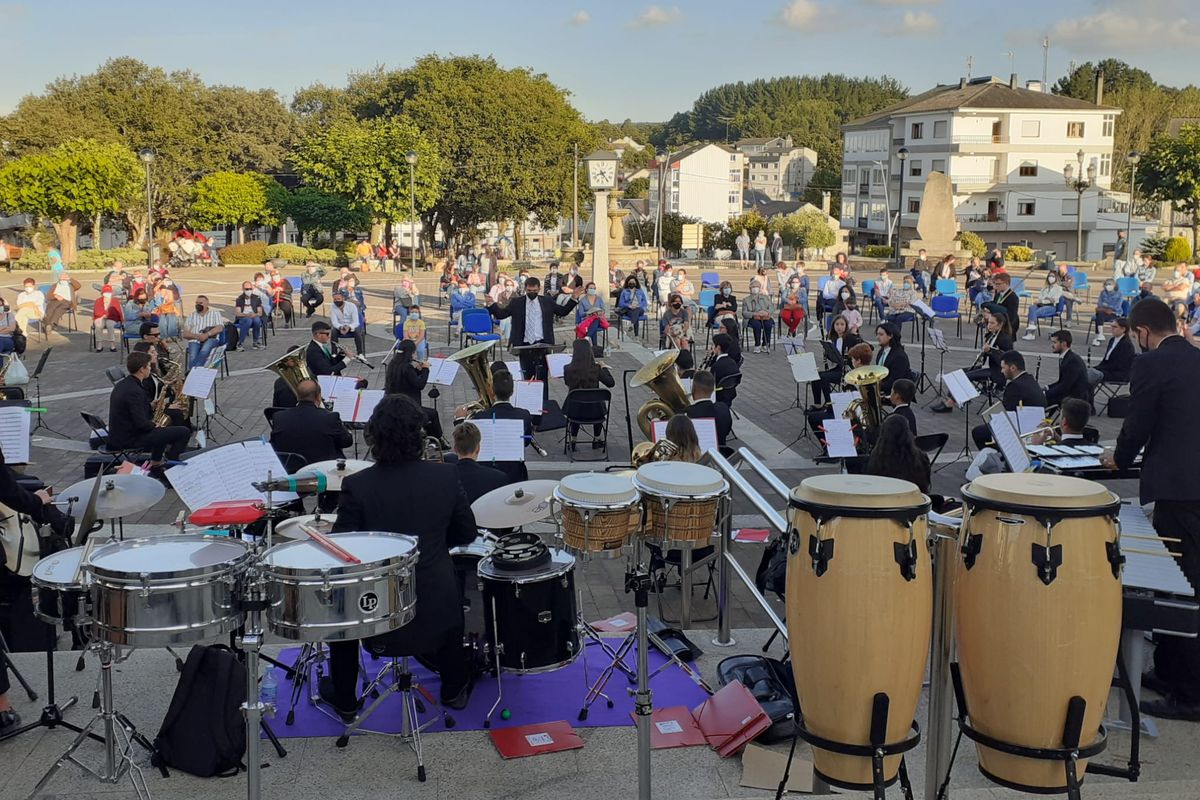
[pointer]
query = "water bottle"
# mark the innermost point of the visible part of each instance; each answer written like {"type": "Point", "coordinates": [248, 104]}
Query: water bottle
{"type": "Point", "coordinates": [269, 687]}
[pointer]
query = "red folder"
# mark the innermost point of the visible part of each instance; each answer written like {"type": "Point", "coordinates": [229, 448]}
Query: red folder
{"type": "Point", "coordinates": [731, 718]}
{"type": "Point", "coordinates": [535, 740]}
{"type": "Point", "coordinates": [621, 623]}
{"type": "Point", "coordinates": [673, 727]}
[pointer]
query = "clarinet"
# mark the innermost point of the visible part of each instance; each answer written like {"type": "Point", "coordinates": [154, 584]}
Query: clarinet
{"type": "Point", "coordinates": [1037, 370]}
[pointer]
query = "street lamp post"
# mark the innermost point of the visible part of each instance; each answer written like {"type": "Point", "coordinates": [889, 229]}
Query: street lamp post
{"type": "Point", "coordinates": [1080, 184]}
{"type": "Point", "coordinates": [1132, 160]}
{"type": "Point", "coordinates": [664, 169]}
{"type": "Point", "coordinates": [147, 154]}
{"type": "Point", "coordinates": [411, 158]}
{"type": "Point", "coordinates": [902, 154]}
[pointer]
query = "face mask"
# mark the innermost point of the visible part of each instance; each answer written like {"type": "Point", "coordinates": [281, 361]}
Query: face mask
{"type": "Point", "coordinates": [246, 292]}
{"type": "Point", "coordinates": [845, 295]}
{"type": "Point", "coordinates": [531, 295]}
{"type": "Point", "coordinates": [676, 306]}
{"type": "Point", "coordinates": [755, 290]}
{"type": "Point", "coordinates": [414, 316]}
{"type": "Point", "coordinates": [107, 298]}
{"type": "Point", "coordinates": [907, 285]}
{"type": "Point", "coordinates": [200, 307]}
{"type": "Point", "coordinates": [339, 303]}
{"type": "Point", "coordinates": [141, 299]}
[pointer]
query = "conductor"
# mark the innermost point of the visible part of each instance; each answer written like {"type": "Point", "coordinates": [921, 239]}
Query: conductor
{"type": "Point", "coordinates": [532, 322]}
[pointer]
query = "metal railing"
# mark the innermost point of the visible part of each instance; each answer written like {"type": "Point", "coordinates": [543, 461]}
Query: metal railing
{"type": "Point", "coordinates": [979, 217]}
{"type": "Point", "coordinates": [972, 180]}
{"type": "Point", "coordinates": [978, 138]}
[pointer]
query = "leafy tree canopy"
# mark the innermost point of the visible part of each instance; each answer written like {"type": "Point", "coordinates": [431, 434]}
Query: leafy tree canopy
{"type": "Point", "coordinates": [1170, 171]}
{"type": "Point", "coordinates": [637, 188]}
{"type": "Point", "coordinates": [238, 198]}
{"type": "Point", "coordinates": [315, 211]}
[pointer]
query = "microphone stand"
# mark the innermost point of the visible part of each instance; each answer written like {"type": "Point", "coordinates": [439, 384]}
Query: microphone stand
{"type": "Point", "coordinates": [37, 388]}
{"type": "Point", "coordinates": [628, 419]}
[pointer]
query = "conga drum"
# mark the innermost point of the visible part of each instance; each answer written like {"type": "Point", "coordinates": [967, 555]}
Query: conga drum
{"type": "Point", "coordinates": [1038, 621]}
{"type": "Point", "coordinates": [859, 611]}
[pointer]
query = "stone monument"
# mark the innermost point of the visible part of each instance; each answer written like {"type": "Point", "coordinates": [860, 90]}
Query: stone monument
{"type": "Point", "coordinates": [936, 224]}
{"type": "Point", "coordinates": [625, 255]}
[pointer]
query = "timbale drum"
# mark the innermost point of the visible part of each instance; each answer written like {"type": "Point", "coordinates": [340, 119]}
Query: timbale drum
{"type": "Point", "coordinates": [1038, 617]}
{"type": "Point", "coordinates": [859, 607]}
{"type": "Point", "coordinates": [530, 614]}
{"type": "Point", "coordinates": [58, 595]}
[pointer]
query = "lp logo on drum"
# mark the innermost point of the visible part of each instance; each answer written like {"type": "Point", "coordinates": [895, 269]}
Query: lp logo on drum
{"type": "Point", "coordinates": [368, 602]}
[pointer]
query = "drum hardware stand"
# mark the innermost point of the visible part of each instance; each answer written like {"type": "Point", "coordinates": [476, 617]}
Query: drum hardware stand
{"type": "Point", "coordinates": [11, 667]}
{"type": "Point", "coordinates": [52, 714]}
{"type": "Point", "coordinates": [638, 582]}
{"type": "Point", "coordinates": [311, 655]}
{"type": "Point", "coordinates": [1124, 681]}
{"type": "Point", "coordinates": [117, 762]}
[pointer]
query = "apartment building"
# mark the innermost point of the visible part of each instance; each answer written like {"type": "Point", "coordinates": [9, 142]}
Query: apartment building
{"type": "Point", "coordinates": [702, 181]}
{"type": "Point", "coordinates": [1006, 150]}
{"type": "Point", "coordinates": [776, 169]}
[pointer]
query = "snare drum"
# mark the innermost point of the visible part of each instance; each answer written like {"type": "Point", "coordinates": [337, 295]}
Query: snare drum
{"type": "Point", "coordinates": [681, 502]}
{"type": "Point", "coordinates": [316, 597]}
{"type": "Point", "coordinates": [57, 596]}
{"type": "Point", "coordinates": [167, 590]}
{"type": "Point", "coordinates": [600, 512]}
{"type": "Point", "coordinates": [531, 614]}
{"type": "Point", "coordinates": [290, 528]}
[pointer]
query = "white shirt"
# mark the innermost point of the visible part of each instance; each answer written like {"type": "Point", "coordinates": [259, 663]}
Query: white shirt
{"type": "Point", "coordinates": [32, 297]}
{"type": "Point", "coordinates": [344, 317]}
{"type": "Point", "coordinates": [832, 287]}
{"type": "Point", "coordinates": [199, 323]}
{"type": "Point", "coordinates": [533, 319]}
{"type": "Point", "coordinates": [62, 290]}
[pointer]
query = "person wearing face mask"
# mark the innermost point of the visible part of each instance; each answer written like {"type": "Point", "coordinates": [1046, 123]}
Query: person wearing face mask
{"type": "Point", "coordinates": [1178, 287]}
{"type": "Point", "coordinates": [683, 287]}
{"type": "Point", "coordinates": [591, 314]}
{"type": "Point", "coordinates": [8, 327]}
{"type": "Point", "coordinates": [107, 320]}
{"type": "Point", "coordinates": [166, 307]}
{"type": "Point", "coordinates": [632, 303]}
{"type": "Point", "coordinates": [756, 311]}
{"type": "Point", "coordinates": [248, 316]}
{"type": "Point", "coordinates": [847, 307]}
{"type": "Point", "coordinates": [761, 280]}
{"type": "Point", "coordinates": [280, 291]}
{"type": "Point", "coordinates": [311, 296]}
{"type": "Point", "coordinates": [64, 296]}
{"type": "Point", "coordinates": [1044, 306]}
{"type": "Point", "coordinates": [532, 323]}
{"type": "Point", "coordinates": [1108, 308]}
{"type": "Point", "coordinates": [414, 331]}
{"type": "Point", "coordinates": [792, 309]}
{"type": "Point", "coordinates": [724, 304]}
{"type": "Point", "coordinates": [899, 303]}
{"type": "Point", "coordinates": [676, 324]}
{"type": "Point", "coordinates": [31, 304]}
{"type": "Point", "coordinates": [662, 288]}
{"type": "Point", "coordinates": [554, 281]}
{"type": "Point", "coordinates": [201, 330]}
{"type": "Point", "coordinates": [461, 299]}
{"type": "Point", "coordinates": [346, 322]}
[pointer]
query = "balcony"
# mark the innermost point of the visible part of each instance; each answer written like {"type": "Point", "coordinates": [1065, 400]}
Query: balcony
{"type": "Point", "coordinates": [979, 218]}
{"type": "Point", "coordinates": [973, 180]}
{"type": "Point", "coordinates": [979, 138]}
{"type": "Point", "coordinates": [863, 189]}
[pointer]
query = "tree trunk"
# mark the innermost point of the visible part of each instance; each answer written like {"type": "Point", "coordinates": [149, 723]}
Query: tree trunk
{"type": "Point", "coordinates": [96, 231]}
{"type": "Point", "coordinates": [68, 238]}
{"type": "Point", "coordinates": [299, 238]}
{"type": "Point", "coordinates": [241, 234]}
{"type": "Point", "coordinates": [376, 232]}
{"type": "Point", "coordinates": [1195, 228]}
{"type": "Point", "coordinates": [135, 226]}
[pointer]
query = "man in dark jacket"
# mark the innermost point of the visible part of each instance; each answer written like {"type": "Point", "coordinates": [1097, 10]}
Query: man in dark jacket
{"type": "Point", "coordinates": [724, 368]}
{"type": "Point", "coordinates": [322, 356]}
{"type": "Point", "coordinates": [309, 430]}
{"type": "Point", "coordinates": [1072, 372]}
{"type": "Point", "coordinates": [1020, 390]}
{"type": "Point", "coordinates": [1163, 386]}
{"type": "Point", "coordinates": [703, 407]}
{"type": "Point", "coordinates": [1117, 362]}
{"type": "Point", "coordinates": [476, 479]}
{"type": "Point", "coordinates": [131, 418]}
{"type": "Point", "coordinates": [502, 386]}
{"type": "Point", "coordinates": [532, 323]}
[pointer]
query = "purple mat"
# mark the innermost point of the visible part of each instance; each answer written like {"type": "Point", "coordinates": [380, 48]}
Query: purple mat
{"type": "Point", "coordinates": [531, 698]}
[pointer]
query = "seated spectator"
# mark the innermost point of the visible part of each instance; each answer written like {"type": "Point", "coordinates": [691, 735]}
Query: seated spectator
{"type": "Point", "coordinates": [248, 316]}
{"type": "Point", "coordinates": [345, 321]}
{"type": "Point", "coordinates": [756, 311]}
{"type": "Point", "coordinates": [725, 303]}
{"type": "Point", "coordinates": [462, 299]}
{"type": "Point", "coordinates": [591, 314]}
{"type": "Point", "coordinates": [632, 302]}
{"type": "Point", "coordinates": [1108, 308]}
{"type": "Point", "coordinates": [1178, 287]}
{"type": "Point", "coordinates": [899, 303]}
{"type": "Point", "coordinates": [1044, 306]}
{"type": "Point", "coordinates": [31, 304]}
{"type": "Point", "coordinates": [414, 331]}
{"type": "Point", "coordinates": [676, 324]}
{"type": "Point", "coordinates": [107, 319]}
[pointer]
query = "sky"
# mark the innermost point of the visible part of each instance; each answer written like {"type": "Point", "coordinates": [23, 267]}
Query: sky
{"type": "Point", "coordinates": [618, 59]}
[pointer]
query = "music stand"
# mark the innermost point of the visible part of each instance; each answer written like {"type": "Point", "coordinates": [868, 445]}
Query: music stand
{"type": "Point", "coordinates": [926, 315]}
{"type": "Point", "coordinates": [939, 344]}
{"type": "Point", "coordinates": [801, 374]}
{"type": "Point", "coordinates": [963, 392]}
{"type": "Point", "coordinates": [37, 387]}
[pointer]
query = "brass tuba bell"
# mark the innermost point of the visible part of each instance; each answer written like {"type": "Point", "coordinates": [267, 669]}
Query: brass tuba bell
{"type": "Point", "coordinates": [868, 408]}
{"type": "Point", "coordinates": [659, 375]}
{"type": "Point", "coordinates": [292, 367]}
{"type": "Point", "coordinates": [474, 360]}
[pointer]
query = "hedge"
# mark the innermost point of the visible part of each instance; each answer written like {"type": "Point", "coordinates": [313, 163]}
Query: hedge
{"type": "Point", "coordinates": [877, 251]}
{"type": "Point", "coordinates": [1177, 250]}
{"type": "Point", "coordinates": [248, 253]}
{"type": "Point", "coordinates": [972, 241]}
{"type": "Point", "coordinates": [1016, 252]}
{"type": "Point", "coordinates": [296, 254]}
{"type": "Point", "coordinates": [85, 259]}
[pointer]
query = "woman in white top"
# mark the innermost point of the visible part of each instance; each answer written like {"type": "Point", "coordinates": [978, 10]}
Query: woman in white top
{"type": "Point", "coordinates": [760, 249]}
{"type": "Point", "coordinates": [31, 305]}
{"type": "Point", "coordinates": [1047, 302]}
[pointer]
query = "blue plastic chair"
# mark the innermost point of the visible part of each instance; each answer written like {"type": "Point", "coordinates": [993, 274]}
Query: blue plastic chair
{"type": "Point", "coordinates": [295, 283]}
{"type": "Point", "coordinates": [945, 306]}
{"type": "Point", "coordinates": [710, 280]}
{"type": "Point", "coordinates": [868, 296]}
{"type": "Point", "coordinates": [1060, 308]}
{"type": "Point", "coordinates": [946, 286]}
{"type": "Point", "coordinates": [1128, 287]}
{"type": "Point", "coordinates": [476, 326]}
{"type": "Point", "coordinates": [1080, 283]}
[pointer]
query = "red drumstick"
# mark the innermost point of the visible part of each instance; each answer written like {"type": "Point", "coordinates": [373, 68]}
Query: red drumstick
{"type": "Point", "coordinates": [330, 546]}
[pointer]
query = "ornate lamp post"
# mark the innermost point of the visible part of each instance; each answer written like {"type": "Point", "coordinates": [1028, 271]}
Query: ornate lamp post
{"type": "Point", "coordinates": [411, 158]}
{"type": "Point", "coordinates": [1132, 160]}
{"type": "Point", "coordinates": [901, 154]}
{"type": "Point", "coordinates": [147, 155]}
{"type": "Point", "coordinates": [1077, 181]}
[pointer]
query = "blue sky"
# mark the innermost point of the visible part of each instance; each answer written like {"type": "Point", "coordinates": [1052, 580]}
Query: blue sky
{"type": "Point", "coordinates": [619, 58]}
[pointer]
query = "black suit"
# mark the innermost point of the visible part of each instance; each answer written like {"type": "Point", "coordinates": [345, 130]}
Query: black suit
{"type": "Point", "coordinates": [282, 396]}
{"type": "Point", "coordinates": [991, 370]}
{"type": "Point", "coordinates": [311, 432]}
{"type": "Point", "coordinates": [477, 480]}
{"type": "Point", "coordinates": [1020, 391]}
{"type": "Point", "coordinates": [718, 412]}
{"type": "Point", "coordinates": [427, 501]}
{"type": "Point", "coordinates": [722, 368]}
{"type": "Point", "coordinates": [906, 412]}
{"type": "Point", "coordinates": [1012, 305]}
{"type": "Point", "coordinates": [1163, 386]}
{"type": "Point", "coordinates": [1118, 360]}
{"type": "Point", "coordinates": [321, 364]}
{"type": "Point", "coordinates": [531, 361]}
{"type": "Point", "coordinates": [131, 423]}
{"type": "Point", "coordinates": [514, 470]}
{"type": "Point", "coordinates": [1072, 381]}
{"type": "Point", "coordinates": [897, 365]}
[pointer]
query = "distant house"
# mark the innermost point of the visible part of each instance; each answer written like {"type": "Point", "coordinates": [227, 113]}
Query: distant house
{"type": "Point", "coordinates": [619, 146]}
{"type": "Point", "coordinates": [702, 181]}
{"type": "Point", "coordinates": [777, 168]}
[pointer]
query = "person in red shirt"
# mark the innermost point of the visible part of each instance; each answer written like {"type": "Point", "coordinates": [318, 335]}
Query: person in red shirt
{"type": "Point", "coordinates": [107, 319]}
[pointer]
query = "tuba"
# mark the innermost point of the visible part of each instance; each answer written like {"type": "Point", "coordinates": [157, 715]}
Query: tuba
{"type": "Point", "coordinates": [292, 367]}
{"type": "Point", "coordinates": [867, 410]}
{"type": "Point", "coordinates": [646, 452]}
{"type": "Point", "coordinates": [170, 390]}
{"type": "Point", "coordinates": [659, 375]}
{"type": "Point", "coordinates": [474, 360]}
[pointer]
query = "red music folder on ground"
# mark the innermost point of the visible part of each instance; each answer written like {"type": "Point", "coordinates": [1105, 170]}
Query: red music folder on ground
{"type": "Point", "coordinates": [673, 727]}
{"type": "Point", "coordinates": [535, 740]}
{"type": "Point", "coordinates": [731, 718]}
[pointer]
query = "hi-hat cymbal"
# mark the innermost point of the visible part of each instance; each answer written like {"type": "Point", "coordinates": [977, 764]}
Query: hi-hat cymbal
{"type": "Point", "coordinates": [514, 505]}
{"type": "Point", "coordinates": [118, 495]}
{"type": "Point", "coordinates": [335, 470]}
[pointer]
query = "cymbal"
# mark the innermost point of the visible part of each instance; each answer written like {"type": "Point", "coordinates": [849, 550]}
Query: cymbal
{"type": "Point", "coordinates": [290, 528]}
{"type": "Point", "coordinates": [335, 470]}
{"type": "Point", "coordinates": [514, 505]}
{"type": "Point", "coordinates": [118, 496]}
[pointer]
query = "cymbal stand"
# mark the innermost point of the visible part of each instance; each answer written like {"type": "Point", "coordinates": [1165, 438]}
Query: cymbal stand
{"type": "Point", "coordinates": [312, 655]}
{"type": "Point", "coordinates": [638, 581]}
{"type": "Point", "coordinates": [249, 642]}
{"type": "Point", "coordinates": [118, 738]}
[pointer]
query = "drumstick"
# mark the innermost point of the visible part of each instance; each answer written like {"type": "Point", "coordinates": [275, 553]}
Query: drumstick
{"type": "Point", "coordinates": [1170, 539]}
{"type": "Point", "coordinates": [330, 546]}
{"type": "Point", "coordinates": [1159, 553]}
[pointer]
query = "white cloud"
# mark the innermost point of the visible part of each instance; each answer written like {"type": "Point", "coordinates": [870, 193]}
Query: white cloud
{"type": "Point", "coordinates": [800, 14]}
{"type": "Point", "coordinates": [579, 18]}
{"type": "Point", "coordinates": [655, 16]}
{"type": "Point", "coordinates": [919, 23]}
{"type": "Point", "coordinates": [1114, 28]}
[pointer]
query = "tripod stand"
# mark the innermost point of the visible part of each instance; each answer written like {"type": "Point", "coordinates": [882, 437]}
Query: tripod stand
{"type": "Point", "coordinates": [37, 388]}
{"type": "Point", "coordinates": [52, 713]}
{"type": "Point", "coordinates": [923, 382]}
{"type": "Point", "coordinates": [6, 663]}
{"type": "Point", "coordinates": [966, 448]}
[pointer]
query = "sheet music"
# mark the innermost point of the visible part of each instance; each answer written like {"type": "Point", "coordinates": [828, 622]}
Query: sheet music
{"type": "Point", "coordinates": [804, 367]}
{"type": "Point", "coordinates": [199, 382]}
{"type": "Point", "coordinates": [443, 371]}
{"type": "Point", "coordinates": [960, 386]}
{"type": "Point", "coordinates": [839, 439]}
{"type": "Point", "coordinates": [15, 426]}
{"type": "Point", "coordinates": [334, 385]}
{"type": "Point", "coordinates": [528, 395]}
{"type": "Point", "coordinates": [1026, 419]}
{"type": "Point", "coordinates": [1011, 446]}
{"type": "Point", "coordinates": [514, 368]}
{"type": "Point", "coordinates": [557, 363]}
{"type": "Point", "coordinates": [706, 431]}
{"type": "Point", "coordinates": [215, 355]}
{"type": "Point", "coordinates": [500, 440]}
{"type": "Point", "coordinates": [226, 474]}
{"type": "Point", "coordinates": [842, 399]}
{"type": "Point", "coordinates": [938, 338]}
{"type": "Point", "coordinates": [357, 406]}
{"type": "Point", "coordinates": [921, 306]}
{"type": "Point", "coordinates": [686, 383]}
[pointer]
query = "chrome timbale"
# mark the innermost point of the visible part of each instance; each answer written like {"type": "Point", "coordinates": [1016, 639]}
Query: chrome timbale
{"type": "Point", "coordinates": [58, 596]}
{"type": "Point", "coordinates": [314, 596]}
{"type": "Point", "coordinates": [167, 590]}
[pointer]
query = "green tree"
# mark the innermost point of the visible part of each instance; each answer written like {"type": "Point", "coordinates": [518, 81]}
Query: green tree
{"type": "Point", "coordinates": [314, 211]}
{"type": "Point", "coordinates": [633, 160]}
{"type": "Point", "coordinates": [972, 241]}
{"type": "Point", "coordinates": [238, 199]}
{"type": "Point", "coordinates": [79, 180]}
{"type": "Point", "coordinates": [637, 188]}
{"type": "Point", "coordinates": [806, 230]}
{"type": "Point", "coordinates": [672, 231]}
{"type": "Point", "coordinates": [1170, 171]}
{"type": "Point", "coordinates": [1177, 250]}
{"type": "Point", "coordinates": [751, 221]}
{"type": "Point", "coordinates": [1080, 83]}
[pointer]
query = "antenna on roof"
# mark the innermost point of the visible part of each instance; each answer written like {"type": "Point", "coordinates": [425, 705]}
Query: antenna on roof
{"type": "Point", "coordinates": [970, 66]}
{"type": "Point", "coordinates": [1045, 60]}
{"type": "Point", "coordinates": [1012, 60]}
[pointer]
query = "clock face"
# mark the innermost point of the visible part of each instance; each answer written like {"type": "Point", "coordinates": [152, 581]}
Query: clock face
{"type": "Point", "coordinates": [601, 175]}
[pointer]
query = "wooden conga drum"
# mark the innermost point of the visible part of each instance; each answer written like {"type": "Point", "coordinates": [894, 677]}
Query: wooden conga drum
{"type": "Point", "coordinates": [1038, 618]}
{"type": "Point", "coordinates": [859, 611]}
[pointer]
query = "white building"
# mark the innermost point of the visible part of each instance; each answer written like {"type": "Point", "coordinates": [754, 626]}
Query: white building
{"type": "Point", "coordinates": [776, 169]}
{"type": "Point", "coordinates": [1004, 149]}
{"type": "Point", "coordinates": [702, 181]}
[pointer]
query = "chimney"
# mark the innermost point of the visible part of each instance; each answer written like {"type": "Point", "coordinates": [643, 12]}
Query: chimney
{"type": "Point", "coordinates": [825, 200]}
{"type": "Point", "coordinates": [1099, 87]}
{"type": "Point", "coordinates": [1012, 81]}
{"type": "Point", "coordinates": [1035, 86]}
{"type": "Point", "coordinates": [962, 83]}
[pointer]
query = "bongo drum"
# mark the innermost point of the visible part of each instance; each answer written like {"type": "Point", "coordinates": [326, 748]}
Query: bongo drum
{"type": "Point", "coordinates": [681, 502]}
{"type": "Point", "coordinates": [859, 608]}
{"type": "Point", "coordinates": [1038, 622]}
{"type": "Point", "coordinates": [600, 512]}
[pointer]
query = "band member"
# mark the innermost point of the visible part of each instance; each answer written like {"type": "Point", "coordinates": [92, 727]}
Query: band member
{"type": "Point", "coordinates": [408, 377]}
{"type": "Point", "coordinates": [724, 368]}
{"type": "Point", "coordinates": [903, 392]}
{"type": "Point", "coordinates": [891, 355]}
{"type": "Point", "coordinates": [1005, 296]}
{"type": "Point", "coordinates": [1117, 362]}
{"type": "Point", "coordinates": [1020, 389]}
{"type": "Point", "coordinates": [282, 395]}
{"type": "Point", "coordinates": [309, 430]}
{"type": "Point", "coordinates": [996, 342]}
{"type": "Point", "coordinates": [895, 455]}
{"type": "Point", "coordinates": [154, 383]}
{"type": "Point", "coordinates": [1163, 386]}
{"type": "Point", "coordinates": [703, 407]}
{"type": "Point", "coordinates": [476, 479]}
{"type": "Point", "coordinates": [532, 322]}
{"type": "Point", "coordinates": [131, 418]}
{"type": "Point", "coordinates": [151, 337]}
{"type": "Point", "coordinates": [836, 349]}
{"type": "Point", "coordinates": [1072, 372]}
{"type": "Point", "coordinates": [403, 494]}
{"type": "Point", "coordinates": [1072, 425]}
{"type": "Point", "coordinates": [323, 356]}
{"type": "Point", "coordinates": [502, 386]}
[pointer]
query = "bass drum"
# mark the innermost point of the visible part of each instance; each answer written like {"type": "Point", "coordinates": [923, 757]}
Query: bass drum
{"type": "Point", "coordinates": [530, 614]}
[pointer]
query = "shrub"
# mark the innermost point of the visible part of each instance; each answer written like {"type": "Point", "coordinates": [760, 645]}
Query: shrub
{"type": "Point", "coordinates": [877, 251]}
{"type": "Point", "coordinates": [326, 255]}
{"type": "Point", "coordinates": [101, 259]}
{"type": "Point", "coordinates": [32, 260]}
{"type": "Point", "coordinates": [292, 253]}
{"type": "Point", "coordinates": [1016, 252]}
{"type": "Point", "coordinates": [248, 253]}
{"type": "Point", "coordinates": [1177, 250]}
{"type": "Point", "coordinates": [972, 241]}
{"type": "Point", "coordinates": [1155, 247]}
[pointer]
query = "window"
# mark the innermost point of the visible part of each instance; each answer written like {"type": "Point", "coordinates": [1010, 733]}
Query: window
{"type": "Point", "coordinates": [1031, 128]}
{"type": "Point", "coordinates": [878, 210]}
{"type": "Point", "coordinates": [1106, 164]}
{"type": "Point", "coordinates": [918, 130]}
{"type": "Point", "coordinates": [733, 156]}
{"type": "Point", "coordinates": [1070, 206]}
{"type": "Point", "coordinates": [914, 169]}
{"type": "Point", "coordinates": [914, 205]}
{"type": "Point", "coordinates": [1028, 169]}
{"type": "Point", "coordinates": [735, 174]}
{"type": "Point", "coordinates": [733, 199]}
{"type": "Point", "coordinates": [1026, 208]}
{"type": "Point", "coordinates": [939, 165]}
{"type": "Point", "coordinates": [1074, 130]}
{"type": "Point", "coordinates": [1110, 121]}
{"type": "Point", "coordinates": [849, 175]}
{"type": "Point", "coordinates": [877, 176]}
{"type": "Point", "coordinates": [847, 209]}
{"type": "Point", "coordinates": [939, 130]}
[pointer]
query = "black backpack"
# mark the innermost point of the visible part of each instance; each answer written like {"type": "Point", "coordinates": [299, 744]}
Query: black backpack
{"type": "Point", "coordinates": [204, 732]}
{"type": "Point", "coordinates": [770, 681]}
